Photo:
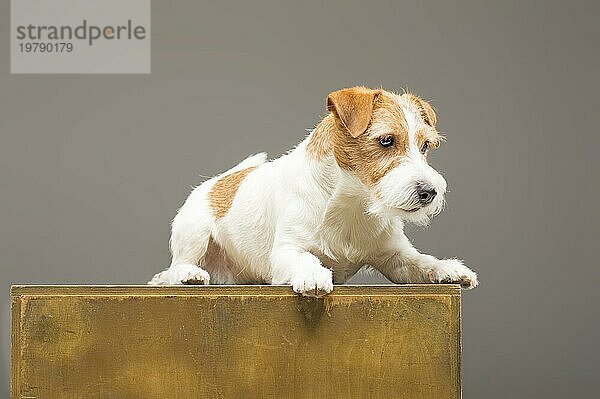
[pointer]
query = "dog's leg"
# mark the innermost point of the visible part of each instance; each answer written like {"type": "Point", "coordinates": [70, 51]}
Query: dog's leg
{"type": "Point", "coordinates": [189, 243]}
{"type": "Point", "coordinates": [302, 270]}
{"type": "Point", "coordinates": [407, 265]}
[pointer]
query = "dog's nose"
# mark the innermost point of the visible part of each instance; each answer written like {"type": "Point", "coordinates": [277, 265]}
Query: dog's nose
{"type": "Point", "coordinates": [426, 193]}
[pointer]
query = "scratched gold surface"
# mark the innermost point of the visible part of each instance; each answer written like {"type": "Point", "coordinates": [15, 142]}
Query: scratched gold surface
{"type": "Point", "coordinates": [235, 342]}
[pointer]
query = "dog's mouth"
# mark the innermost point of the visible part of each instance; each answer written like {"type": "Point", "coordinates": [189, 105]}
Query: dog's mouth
{"type": "Point", "coordinates": [412, 210]}
{"type": "Point", "coordinates": [416, 208]}
{"type": "Point", "coordinates": [412, 207]}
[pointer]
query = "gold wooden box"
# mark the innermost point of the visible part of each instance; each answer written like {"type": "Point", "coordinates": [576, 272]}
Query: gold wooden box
{"type": "Point", "coordinates": [389, 341]}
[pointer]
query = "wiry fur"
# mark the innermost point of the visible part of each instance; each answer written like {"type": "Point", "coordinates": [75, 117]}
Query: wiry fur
{"type": "Point", "coordinates": [316, 215]}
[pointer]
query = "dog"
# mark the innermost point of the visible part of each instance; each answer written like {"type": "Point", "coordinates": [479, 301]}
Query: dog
{"type": "Point", "coordinates": [318, 214]}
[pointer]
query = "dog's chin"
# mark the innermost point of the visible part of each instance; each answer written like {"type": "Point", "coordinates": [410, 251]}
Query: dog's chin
{"type": "Point", "coordinates": [411, 212]}
{"type": "Point", "coordinates": [418, 216]}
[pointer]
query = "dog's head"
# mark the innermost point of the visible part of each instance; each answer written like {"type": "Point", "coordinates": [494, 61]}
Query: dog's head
{"type": "Point", "coordinates": [384, 139]}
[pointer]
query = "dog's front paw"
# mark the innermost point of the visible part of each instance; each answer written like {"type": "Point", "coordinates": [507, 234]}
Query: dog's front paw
{"type": "Point", "coordinates": [316, 283]}
{"type": "Point", "coordinates": [181, 274]}
{"type": "Point", "coordinates": [453, 271]}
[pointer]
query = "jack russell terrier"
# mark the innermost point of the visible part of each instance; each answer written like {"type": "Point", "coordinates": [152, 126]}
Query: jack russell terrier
{"type": "Point", "coordinates": [319, 213]}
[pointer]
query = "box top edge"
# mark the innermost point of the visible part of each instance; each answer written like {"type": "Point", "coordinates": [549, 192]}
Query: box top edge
{"type": "Point", "coordinates": [225, 290]}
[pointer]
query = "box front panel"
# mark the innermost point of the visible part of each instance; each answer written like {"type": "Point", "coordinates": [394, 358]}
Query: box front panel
{"type": "Point", "coordinates": [223, 342]}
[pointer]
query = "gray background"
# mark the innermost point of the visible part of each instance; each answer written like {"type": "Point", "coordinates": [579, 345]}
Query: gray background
{"type": "Point", "coordinates": [94, 167]}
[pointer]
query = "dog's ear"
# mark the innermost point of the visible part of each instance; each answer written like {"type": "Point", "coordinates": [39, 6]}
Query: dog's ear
{"type": "Point", "coordinates": [354, 108]}
{"type": "Point", "coordinates": [426, 109]}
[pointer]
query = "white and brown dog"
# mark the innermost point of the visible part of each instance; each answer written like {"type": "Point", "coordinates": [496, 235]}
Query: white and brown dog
{"type": "Point", "coordinates": [316, 215]}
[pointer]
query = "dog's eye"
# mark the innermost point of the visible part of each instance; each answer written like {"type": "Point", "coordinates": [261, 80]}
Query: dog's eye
{"type": "Point", "coordinates": [424, 147]}
{"type": "Point", "coordinates": [386, 141]}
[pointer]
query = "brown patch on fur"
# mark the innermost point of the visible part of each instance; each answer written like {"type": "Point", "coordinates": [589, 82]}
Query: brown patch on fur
{"type": "Point", "coordinates": [223, 191]}
{"type": "Point", "coordinates": [427, 112]}
{"type": "Point", "coordinates": [319, 144]}
{"type": "Point", "coordinates": [428, 133]}
{"type": "Point", "coordinates": [363, 155]}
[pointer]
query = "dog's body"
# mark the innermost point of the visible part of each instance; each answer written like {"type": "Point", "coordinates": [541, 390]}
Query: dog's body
{"type": "Point", "coordinates": [316, 215]}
